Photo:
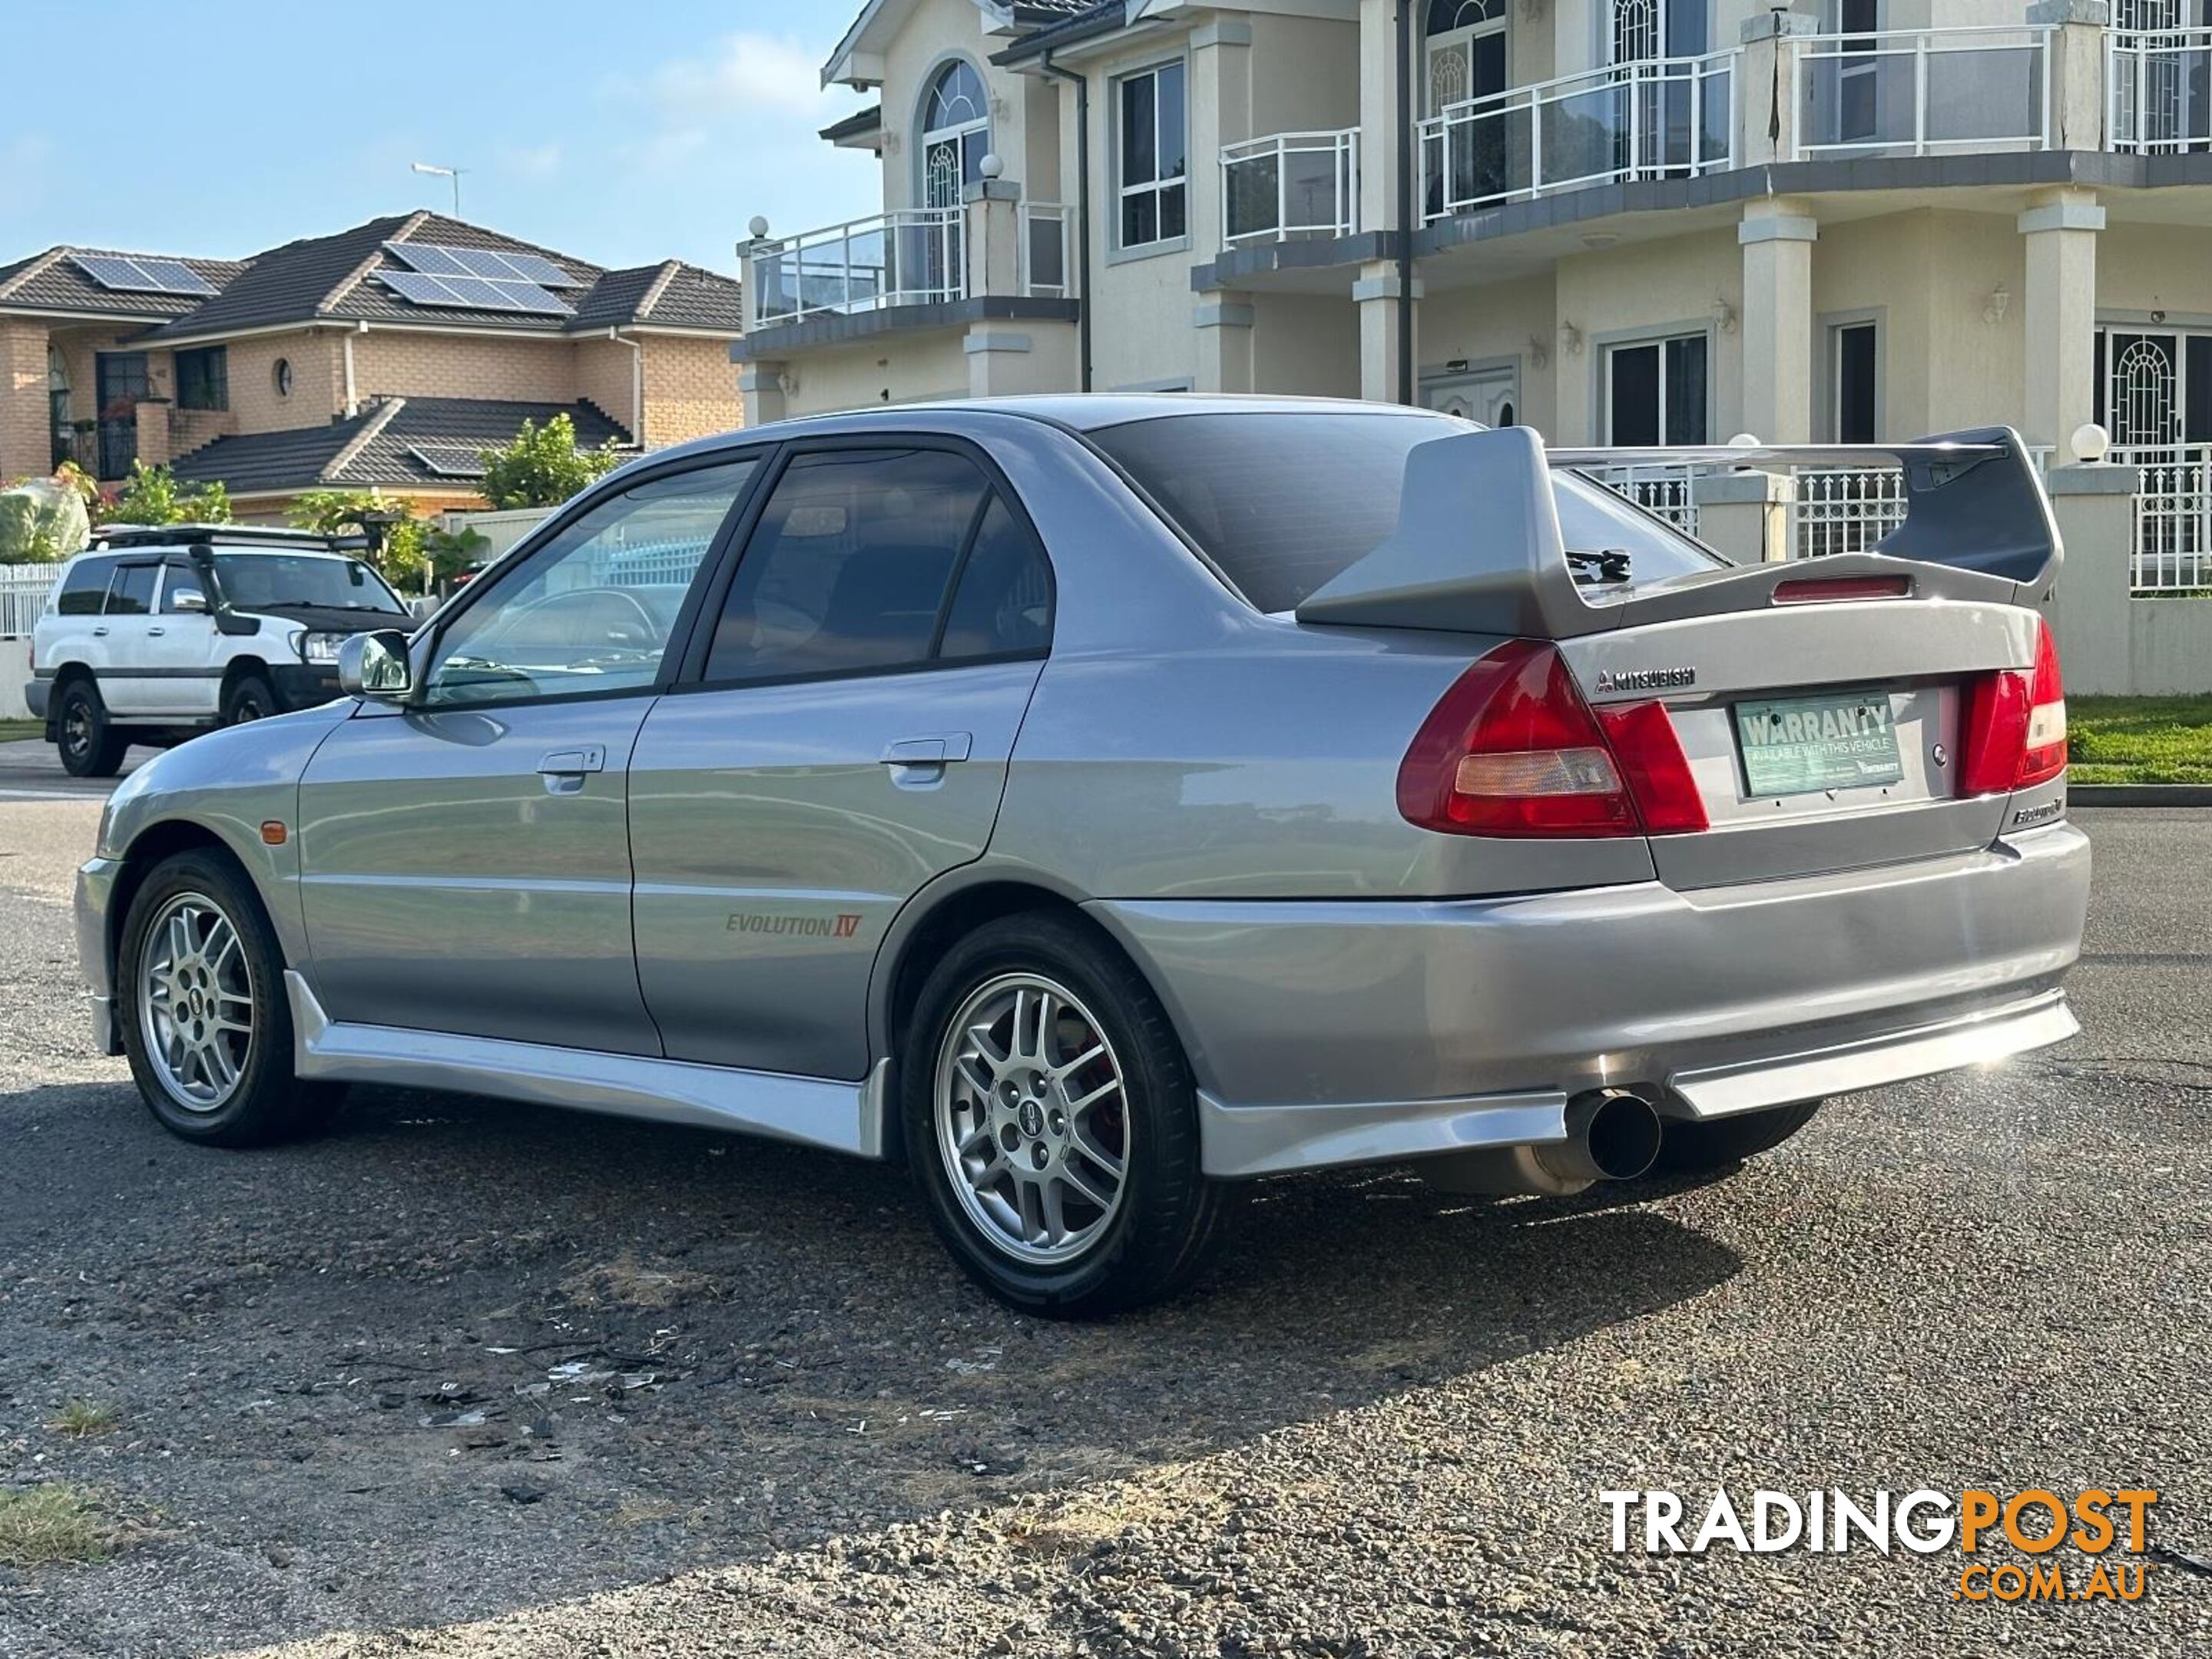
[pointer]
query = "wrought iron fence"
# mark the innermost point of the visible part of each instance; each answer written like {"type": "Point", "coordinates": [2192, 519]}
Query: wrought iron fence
{"type": "Point", "coordinates": [2171, 554]}
{"type": "Point", "coordinates": [1668, 492]}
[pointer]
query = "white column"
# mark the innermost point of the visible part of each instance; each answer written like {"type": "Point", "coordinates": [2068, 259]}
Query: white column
{"type": "Point", "coordinates": [1376, 294]}
{"type": "Point", "coordinates": [1220, 113]}
{"type": "Point", "coordinates": [1223, 322]}
{"type": "Point", "coordinates": [1767, 110]}
{"type": "Point", "coordinates": [2060, 318]}
{"type": "Point", "coordinates": [762, 387]}
{"type": "Point", "coordinates": [1379, 114]}
{"type": "Point", "coordinates": [1777, 235]}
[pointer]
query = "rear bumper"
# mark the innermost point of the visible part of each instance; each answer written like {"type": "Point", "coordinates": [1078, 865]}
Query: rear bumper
{"type": "Point", "coordinates": [1328, 1033]}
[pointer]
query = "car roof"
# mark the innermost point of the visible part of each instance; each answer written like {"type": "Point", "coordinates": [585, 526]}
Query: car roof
{"type": "Point", "coordinates": [229, 537]}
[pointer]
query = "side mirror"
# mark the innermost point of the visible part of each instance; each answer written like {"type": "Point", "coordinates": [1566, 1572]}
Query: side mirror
{"type": "Point", "coordinates": [375, 665]}
{"type": "Point", "coordinates": [189, 601]}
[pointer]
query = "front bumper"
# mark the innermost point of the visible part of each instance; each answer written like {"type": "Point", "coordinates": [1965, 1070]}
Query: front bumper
{"type": "Point", "coordinates": [304, 685]}
{"type": "Point", "coordinates": [95, 898]}
{"type": "Point", "coordinates": [1329, 1032]}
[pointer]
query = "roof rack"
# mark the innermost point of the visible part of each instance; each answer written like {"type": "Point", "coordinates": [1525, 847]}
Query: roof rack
{"type": "Point", "coordinates": [112, 536]}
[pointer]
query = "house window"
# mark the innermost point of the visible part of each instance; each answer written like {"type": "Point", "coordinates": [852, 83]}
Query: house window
{"type": "Point", "coordinates": [1852, 378]}
{"type": "Point", "coordinates": [1642, 30]}
{"type": "Point", "coordinates": [955, 134]}
{"type": "Point", "coordinates": [1466, 51]}
{"type": "Point", "coordinates": [203, 379]}
{"type": "Point", "coordinates": [1656, 392]}
{"type": "Point", "coordinates": [2153, 387]}
{"type": "Point", "coordinates": [1153, 155]}
{"type": "Point", "coordinates": [1858, 109]}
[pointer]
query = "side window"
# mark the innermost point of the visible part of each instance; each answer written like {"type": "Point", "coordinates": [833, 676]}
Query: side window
{"type": "Point", "coordinates": [591, 609]}
{"type": "Point", "coordinates": [1003, 605]}
{"type": "Point", "coordinates": [849, 567]}
{"type": "Point", "coordinates": [131, 592]}
{"type": "Point", "coordinates": [84, 590]}
{"type": "Point", "coordinates": [177, 577]}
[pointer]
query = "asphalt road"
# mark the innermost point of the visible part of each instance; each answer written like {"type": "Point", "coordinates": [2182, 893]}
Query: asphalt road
{"type": "Point", "coordinates": [471, 1379]}
{"type": "Point", "coordinates": [30, 770]}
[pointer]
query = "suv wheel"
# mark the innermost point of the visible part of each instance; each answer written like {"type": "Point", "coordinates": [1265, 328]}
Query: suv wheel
{"type": "Point", "coordinates": [1694, 1148]}
{"type": "Point", "coordinates": [89, 746]}
{"type": "Point", "coordinates": [1051, 1123]}
{"type": "Point", "coordinates": [250, 698]}
{"type": "Point", "coordinates": [205, 1020]}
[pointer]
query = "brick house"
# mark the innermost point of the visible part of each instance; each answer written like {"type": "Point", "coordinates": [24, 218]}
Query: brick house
{"type": "Point", "coordinates": [389, 354]}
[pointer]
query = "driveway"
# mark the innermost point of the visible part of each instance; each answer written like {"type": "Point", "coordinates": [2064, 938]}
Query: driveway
{"type": "Point", "coordinates": [465, 1378]}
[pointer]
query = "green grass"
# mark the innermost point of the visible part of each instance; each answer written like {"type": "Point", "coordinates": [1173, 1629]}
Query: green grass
{"type": "Point", "coordinates": [40, 1525]}
{"type": "Point", "coordinates": [81, 1419]}
{"type": "Point", "coordinates": [16, 731]}
{"type": "Point", "coordinates": [2139, 739]}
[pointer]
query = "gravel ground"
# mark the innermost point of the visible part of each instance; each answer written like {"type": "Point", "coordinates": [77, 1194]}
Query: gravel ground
{"type": "Point", "coordinates": [788, 1428]}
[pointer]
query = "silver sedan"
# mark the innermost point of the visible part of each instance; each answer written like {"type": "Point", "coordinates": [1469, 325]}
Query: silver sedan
{"type": "Point", "coordinates": [1098, 803]}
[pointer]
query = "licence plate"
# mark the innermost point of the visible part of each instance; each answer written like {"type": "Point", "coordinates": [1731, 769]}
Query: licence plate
{"type": "Point", "coordinates": [1800, 745]}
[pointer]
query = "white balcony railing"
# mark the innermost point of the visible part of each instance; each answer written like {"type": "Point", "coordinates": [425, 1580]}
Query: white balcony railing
{"type": "Point", "coordinates": [911, 255]}
{"type": "Point", "coordinates": [1048, 258]}
{"type": "Point", "coordinates": [1293, 184]}
{"type": "Point", "coordinates": [2173, 550]}
{"type": "Point", "coordinates": [2158, 90]}
{"type": "Point", "coordinates": [1922, 91]}
{"type": "Point", "coordinates": [1669, 118]}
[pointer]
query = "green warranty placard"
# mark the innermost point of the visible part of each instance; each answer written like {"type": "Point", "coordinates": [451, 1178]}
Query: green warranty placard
{"type": "Point", "coordinates": [1801, 744]}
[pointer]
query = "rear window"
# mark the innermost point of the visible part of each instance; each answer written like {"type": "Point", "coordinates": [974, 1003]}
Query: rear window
{"type": "Point", "coordinates": [84, 589]}
{"type": "Point", "coordinates": [1284, 503]}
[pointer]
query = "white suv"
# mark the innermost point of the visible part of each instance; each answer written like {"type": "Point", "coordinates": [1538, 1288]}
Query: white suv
{"type": "Point", "coordinates": [153, 634]}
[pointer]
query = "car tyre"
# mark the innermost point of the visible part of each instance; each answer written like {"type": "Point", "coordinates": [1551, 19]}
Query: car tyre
{"type": "Point", "coordinates": [1136, 1103]}
{"type": "Point", "coordinates": [200, 999]}
{"type": "Point", "coordinates": [1696, 1147]}
{"type": "Point", "coordinates": [88, 743]}
{"type": "Point", "coordinates": [250, 698]}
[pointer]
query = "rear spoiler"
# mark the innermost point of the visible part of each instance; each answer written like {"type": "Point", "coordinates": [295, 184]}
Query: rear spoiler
{"type": "Point", "coordinates": [1478, 547]}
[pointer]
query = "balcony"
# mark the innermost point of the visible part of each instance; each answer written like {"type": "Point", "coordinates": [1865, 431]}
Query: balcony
{"type": "Point", "coordinates": [1290, 185]}
{"type": "Point", "coordinates": [912, 257]}
{"type": "Point", "coordinates": [1669, 118]}
{"type": "Point", "coordinates": [1922, 91]}
{"type": "Point", "coordinates": [2159, 91]}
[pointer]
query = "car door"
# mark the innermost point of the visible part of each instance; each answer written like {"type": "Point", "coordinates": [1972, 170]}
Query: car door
{"type": "Point", "coordinates": [183, 677]}
{"type": "Point", "coordinates": [465, 856]}
{"type": "Point", "coordinates": [840, 736]}
{"type": "Point", "coordinates": [127, 684]}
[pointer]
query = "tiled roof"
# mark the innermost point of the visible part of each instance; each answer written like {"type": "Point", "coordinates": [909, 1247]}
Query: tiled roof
{"type": "Point", "coordinates": [1054, 22]}
{"type": "Point", "coordinates": [286, 284]}
{"type": "Point", "coordinates": [52, 282]}
{"type": "Point", "coordinates": [670, 295]}
{"type": "Point", "coordinates": [369, 298]}
{"type": "Point", "coordinates": [376, 446]}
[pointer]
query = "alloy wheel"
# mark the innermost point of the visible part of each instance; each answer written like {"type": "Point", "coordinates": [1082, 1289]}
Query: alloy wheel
{"type": "Point", "coordinates": [196, 1002]}
{"type": "Point", "coordinates": [1032, 1119]}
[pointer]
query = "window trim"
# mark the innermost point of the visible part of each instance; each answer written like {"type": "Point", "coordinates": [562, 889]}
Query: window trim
{"type": "Point", "coordinates": [422, 647]}
{"type": "Point", "coordinates": [987, 124]}
{"type": "Point", "coordinates": [1827, 368]}
{"type": "Point", "coordinates": [691, 675]}
{"type": "Point", "coordinates": [1120, 251]}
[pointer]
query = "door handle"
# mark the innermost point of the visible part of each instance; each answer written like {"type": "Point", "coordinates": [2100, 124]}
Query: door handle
{"type": "Point", "coordinates": [155, 633]}
{"type": "Point", "coordinates": [572, 763]}
{"type": "Point", "coordinates": [100, 633]}
{"type": "Point", "coordinates": [930, 752]}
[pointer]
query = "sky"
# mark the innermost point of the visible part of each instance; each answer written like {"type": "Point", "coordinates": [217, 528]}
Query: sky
{"type": "Point", "coordinates": [622, 133]}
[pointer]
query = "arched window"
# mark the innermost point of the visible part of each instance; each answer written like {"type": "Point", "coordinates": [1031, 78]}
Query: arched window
{"type": "Point", "coordinates": [956, 134]}
{"type": "Point", "coordinates": [1465, 50]}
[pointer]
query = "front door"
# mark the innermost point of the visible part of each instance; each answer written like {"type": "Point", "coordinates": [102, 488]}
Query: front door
{"type": "Point", "coordinates": [465, 858]}
{"type": "Point", "coordinates": [1491, 396]}
{"type": "Point", "coordinates": [843, 738]}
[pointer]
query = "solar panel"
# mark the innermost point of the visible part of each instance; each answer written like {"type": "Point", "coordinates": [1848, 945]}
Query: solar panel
{"type": "Point", "coordinates": [427, 257]}
{"type": "Point", "coordinates": [123, 274]}
{"type": "Point", "coordinates": [482, 262]}
{"type": "Point", "coordinates": [536, 268]}
{"type": "Point", "coordinates": [442, 260]}
{"type": "Point", "coordinates": [449, 460]}
{"type": "Point", "coordinates": [474, 292]}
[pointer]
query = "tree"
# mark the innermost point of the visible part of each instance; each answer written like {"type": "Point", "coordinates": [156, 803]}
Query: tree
{"type": "Point", "coordinates": [152, 496]}
{"type": "Point", "coordinates": [543, 467]}
{"type": "Point", "coordinates": [411, 553]}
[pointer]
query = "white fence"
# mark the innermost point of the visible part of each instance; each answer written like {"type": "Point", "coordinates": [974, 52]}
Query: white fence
{"type": "Point", "coordinates": [1293, 184]}
{"type": "Point", "coordinates": [23, 589]}
{"type": "Point", "coordinates": [1668, 492]}
{"type": "Point", "coordinates": [2173, 550]}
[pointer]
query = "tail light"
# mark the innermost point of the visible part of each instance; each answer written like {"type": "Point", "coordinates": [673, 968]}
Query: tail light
{"type": "Point", "coordinates": [1834, 590]}
{"type": "Point", "coordinates": [2015, 725]}
{"type": "Point", "coordinates": [1512, 749]}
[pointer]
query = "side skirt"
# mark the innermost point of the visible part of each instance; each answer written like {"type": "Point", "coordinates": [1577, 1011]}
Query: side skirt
{"type": "Point", "coordinates": [843, 1117]}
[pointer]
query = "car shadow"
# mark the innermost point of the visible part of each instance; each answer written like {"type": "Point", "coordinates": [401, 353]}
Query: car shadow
{"type": "Point", "coordinates": [683, 1350]}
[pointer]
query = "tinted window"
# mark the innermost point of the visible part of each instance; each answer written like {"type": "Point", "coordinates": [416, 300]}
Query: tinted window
{"type": "Point", "coordinates": [180, 578]}
{"type": "Point", "coordinates": [85, 588]}
{"type": "Point", "coordinates": [271, 582]}
{"type": "Point", "coordinates": [592, 609]}
{"type": "Point", "coordinates": [1004, 602]}
{"type": "Point", "coordinates": [1283, 503]}
{"type": "Point", "coordinates": [131, 592]}
{"type": "Point", "coordinates": [849, 567]}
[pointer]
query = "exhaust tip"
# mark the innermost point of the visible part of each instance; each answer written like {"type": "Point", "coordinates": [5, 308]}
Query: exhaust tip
{"type": "Point", "coordinates": [1623, 1133]}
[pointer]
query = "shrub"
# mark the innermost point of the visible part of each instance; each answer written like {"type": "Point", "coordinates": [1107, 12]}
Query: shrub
{"type": "Point", "coordinates": [543, 467]}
